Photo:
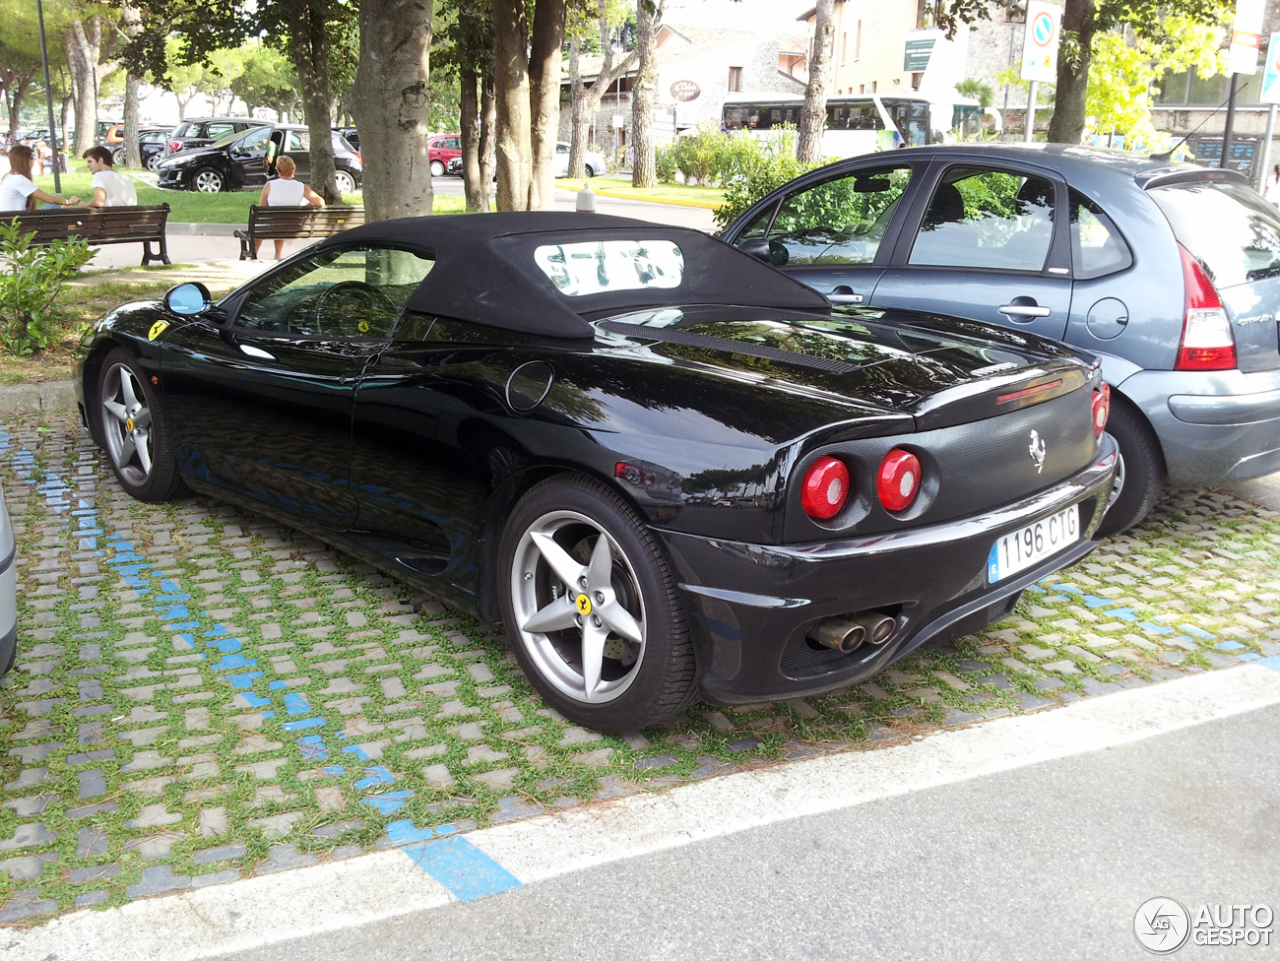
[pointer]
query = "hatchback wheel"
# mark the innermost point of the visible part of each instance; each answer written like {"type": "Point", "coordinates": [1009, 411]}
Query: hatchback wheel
{"type": "Point", "coordinates": [1139, 473]}
{"type": "Point", "coordinates": [437, 168]}
{"type": "Point", "coordinates": [208, 181]}
{"type": "Point", "coordinates": [135, 432]}
{"type": "Point", "coordinates": [118, 158]}
{"type": "Point", "coordinates": [592, 608]}
{"type": "Point", "coordinates": [346, 182]}
{"type": "Point", "coordinates": [154, 161]}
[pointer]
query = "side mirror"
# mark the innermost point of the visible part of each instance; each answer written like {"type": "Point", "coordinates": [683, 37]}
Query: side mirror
{"type": "Point", "coordinates": [187, 300]}
{"type": "Point", "coordinates": [759, 249]}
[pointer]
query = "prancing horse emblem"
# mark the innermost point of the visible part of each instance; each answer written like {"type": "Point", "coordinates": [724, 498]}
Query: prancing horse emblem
{"type": "Point", "coordinates": [1037, 450]}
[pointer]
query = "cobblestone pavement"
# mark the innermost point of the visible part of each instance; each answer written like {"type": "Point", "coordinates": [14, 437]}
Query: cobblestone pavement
{"type": "Point", "coordinates": [203, 695]}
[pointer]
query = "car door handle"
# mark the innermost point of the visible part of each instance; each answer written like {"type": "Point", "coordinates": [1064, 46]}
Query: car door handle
{"type": "Point", "coordinates": [257, 352]}
{"type": "Point", "coordinates": [1025, 310]}
{"type": "Point", "coordinates": [839, 299]}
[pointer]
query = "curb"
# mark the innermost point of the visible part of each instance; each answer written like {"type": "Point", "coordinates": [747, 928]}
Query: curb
{"type": "Point", "coordinates": [25, 398]}
{"type": "Point", "coordinates": [703, 204]}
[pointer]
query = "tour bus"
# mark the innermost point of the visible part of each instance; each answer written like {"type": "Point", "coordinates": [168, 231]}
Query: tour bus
{"type": "Point", "coordinates": [862, 123]}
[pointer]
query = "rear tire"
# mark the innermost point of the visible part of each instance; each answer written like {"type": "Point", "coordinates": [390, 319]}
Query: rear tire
{"type": "Point", "coordinates": [629, 593]}
{"type": "Point", "coordinates": [346, 183]}
{"type": "Point", "coordinates": [437, 168]}
{"type": "Point", "coordinates": [134, 429]}
{"type": "Point", "coordinates": [1140, 471]}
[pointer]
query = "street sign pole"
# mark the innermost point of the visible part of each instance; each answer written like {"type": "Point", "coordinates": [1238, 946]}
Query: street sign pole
{"type": "Point", "coordinates": [1039, 55]}
{"type": "Point", "coordinates": [48, 96]}
{"type": "Point", "coordinates": [1231, 121]}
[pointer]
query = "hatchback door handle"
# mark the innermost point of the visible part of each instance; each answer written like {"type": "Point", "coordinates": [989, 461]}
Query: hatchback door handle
{"type": "Point", "coordinates": [1025, 310]}
{"type": "Point", "coordinates": [840, 299]}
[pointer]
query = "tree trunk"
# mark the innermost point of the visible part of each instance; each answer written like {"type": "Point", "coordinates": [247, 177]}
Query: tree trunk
{"type": "Point", "coordinates": [644, 167]}
{"type": "Point", "coordinates": [511, 89]}
{"type": "Point", "coordinates": [488, 137]}
{"type": "Point", "coordinates": [1067, 123]}
{"type": "Point", "coordinates": [389, 103]}
{"type": "Point", "coordinates": [82, 56]}
{"type": "Point", "coordinates": [131, 20]}
{"type": "Point", "coordinates": [544, 101]}
{"type": "Point", "coordinates": [586, 100]}
{"type": "Point", "coordinates": [309, 45]}
{"type": "Point", "coordinates": [813, 117]}
{"type": "Point", "coordinates": [65, 119]}
{"type": "Point", "coordinates": [472, 186]}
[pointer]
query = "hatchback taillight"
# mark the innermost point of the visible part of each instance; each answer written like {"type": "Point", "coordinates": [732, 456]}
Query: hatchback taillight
{"type": "Point", "coordinates": [1207, 341]}
{"type": "Point", "coordinates": [825, 489]}
{"type": "Point", "coordinates": [1101, 408]}
{"type": "Point", "coordinates": [175, 146]}
{"type": "Point", "coordinates": [898, 480]}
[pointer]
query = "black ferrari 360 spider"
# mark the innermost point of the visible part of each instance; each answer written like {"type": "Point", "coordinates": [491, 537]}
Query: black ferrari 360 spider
{"type": "Point", "coordinates": [667, 468]}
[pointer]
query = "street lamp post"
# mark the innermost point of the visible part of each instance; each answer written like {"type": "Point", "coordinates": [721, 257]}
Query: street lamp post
{"type": "Point", "coordinates": [48, 96]}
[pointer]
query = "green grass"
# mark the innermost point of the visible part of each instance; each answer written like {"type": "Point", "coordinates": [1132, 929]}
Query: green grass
{"type": "Point", "coordinates": [224, 208]}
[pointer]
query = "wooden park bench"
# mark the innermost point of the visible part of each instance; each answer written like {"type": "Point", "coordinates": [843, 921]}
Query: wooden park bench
{"type": "Point", "coordinates": [99, 226]}
{"type": "Point", "coordinates": [292, 223]}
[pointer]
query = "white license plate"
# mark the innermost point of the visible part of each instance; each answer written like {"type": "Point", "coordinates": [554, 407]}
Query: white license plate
{"type": "Point", "coordinates": [1025, 548]}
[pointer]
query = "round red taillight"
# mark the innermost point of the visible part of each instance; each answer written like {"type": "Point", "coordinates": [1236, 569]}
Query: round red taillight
{"type": "Point", "coordinates": [1101, 408]}
{"type": "Point", "coordinates": [899, 479]}
{"type": "Point", "coordinates": [826, 488]}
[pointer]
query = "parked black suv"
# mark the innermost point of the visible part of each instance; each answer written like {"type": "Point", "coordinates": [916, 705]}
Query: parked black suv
{"type": "Point", "coordinates": [203, 131]}
{"type": "Point", "coordinates": [247, 159]}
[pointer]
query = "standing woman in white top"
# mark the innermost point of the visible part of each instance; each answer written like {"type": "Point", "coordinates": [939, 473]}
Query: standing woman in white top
{"type": "Point", "coordinates": [17, 187]}
{"type": "Point", "coordinates": [284, 191]}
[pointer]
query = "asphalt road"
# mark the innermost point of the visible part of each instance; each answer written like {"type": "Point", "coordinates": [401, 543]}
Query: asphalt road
{"type": "Point", "coordinates": [1046, 861]}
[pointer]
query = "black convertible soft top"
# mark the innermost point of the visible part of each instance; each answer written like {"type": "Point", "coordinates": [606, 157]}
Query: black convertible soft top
{"type": "Point", "coordinates": [485, 270]}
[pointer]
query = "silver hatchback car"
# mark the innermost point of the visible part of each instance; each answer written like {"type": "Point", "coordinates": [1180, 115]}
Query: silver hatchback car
{"type": "Point", "coordinates": [1170, 273]}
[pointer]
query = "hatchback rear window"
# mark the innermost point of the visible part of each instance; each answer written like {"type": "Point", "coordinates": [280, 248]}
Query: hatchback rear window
{"type": "Point", "coordinates": [1231, 230]}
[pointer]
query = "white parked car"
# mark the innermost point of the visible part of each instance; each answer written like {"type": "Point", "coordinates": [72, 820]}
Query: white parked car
{"type": "Point", "coordinates": [8, 592]}
{"type": "Point", "coordinates": [595, 161]}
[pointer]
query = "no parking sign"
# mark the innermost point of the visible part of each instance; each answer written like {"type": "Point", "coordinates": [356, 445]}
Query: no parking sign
{"type": "Point", "coordinates": [1040, 46]}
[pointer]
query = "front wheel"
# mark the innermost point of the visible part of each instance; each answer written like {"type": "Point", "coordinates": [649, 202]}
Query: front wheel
{"type": "Point", "coordinates": [1139, 471]}
{"type": "Point", "coordinates": [437, 168]}
{"type": "Point", "coordinates": [592, 609]}
{"type": "Point", "coordinates": [153, 162]}
{"type": "Point", "coordinates": [346, 183]}
{"type": "Point", "coordinates": [591, 171]}
{"type": "Point", "coordinates": [118, 158]}
{"type": "Point", "coordinates": [208, 181]}
{"type": "Point", "coordinates": [135, 431]}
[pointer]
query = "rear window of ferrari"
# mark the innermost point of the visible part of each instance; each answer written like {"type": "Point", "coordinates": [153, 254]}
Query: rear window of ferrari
{"type": "Point", "coordinates": [597, 266]}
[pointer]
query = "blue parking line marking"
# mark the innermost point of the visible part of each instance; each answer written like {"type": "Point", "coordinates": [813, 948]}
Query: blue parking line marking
{"type": "Point", "coordinates": [467, 872]}
{"type": "Point", "coordinates": [1272, 662]}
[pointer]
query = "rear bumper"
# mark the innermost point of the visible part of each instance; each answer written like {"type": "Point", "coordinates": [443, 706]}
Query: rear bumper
{"type": "Point", "coordinates": [751, 605]}
{"type": "Point", "coordinates": [1213, 426]}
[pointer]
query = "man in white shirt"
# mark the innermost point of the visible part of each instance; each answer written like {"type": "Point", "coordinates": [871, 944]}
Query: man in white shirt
{"type": "Point", "coordinates": [110, 189]}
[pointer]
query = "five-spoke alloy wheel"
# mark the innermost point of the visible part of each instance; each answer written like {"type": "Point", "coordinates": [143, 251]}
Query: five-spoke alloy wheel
{"type": "Point", "coordinates": [592, 608]}
{"type": "Point", "coordinates": [133, 431]}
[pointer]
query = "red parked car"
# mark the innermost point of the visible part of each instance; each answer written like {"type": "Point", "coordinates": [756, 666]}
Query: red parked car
{"type": "Point", "coordinates": [441, 150]}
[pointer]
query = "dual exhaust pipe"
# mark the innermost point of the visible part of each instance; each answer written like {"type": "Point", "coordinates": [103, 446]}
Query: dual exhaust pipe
{"type": "Point", "coordinates": [846, 636]}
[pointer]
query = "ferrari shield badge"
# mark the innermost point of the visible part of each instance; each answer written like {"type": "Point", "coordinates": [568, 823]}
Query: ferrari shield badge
{"type": "Point", "coordinates": [158, 328]}
{"type": "Point", "coordinates": [583, 604]}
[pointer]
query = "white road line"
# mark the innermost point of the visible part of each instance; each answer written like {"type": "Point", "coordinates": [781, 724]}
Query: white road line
{"type": "Point", "coordinates": [376, 887]}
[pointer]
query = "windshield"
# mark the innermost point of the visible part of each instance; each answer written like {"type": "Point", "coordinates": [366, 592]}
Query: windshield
{"type": "Point", "coordinates": [1228, 227]}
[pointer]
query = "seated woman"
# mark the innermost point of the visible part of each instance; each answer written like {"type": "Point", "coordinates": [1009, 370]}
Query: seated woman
{"type": "Point", "coordinates": [17, 188]}
{"type": "Point", "coordinates": [284, 191]}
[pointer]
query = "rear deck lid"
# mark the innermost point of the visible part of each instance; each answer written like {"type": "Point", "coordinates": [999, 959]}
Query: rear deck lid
{"type": "Point", "coordinates": [1235, 236]}
{"type": "Point", "coordinates": [940, 371]}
